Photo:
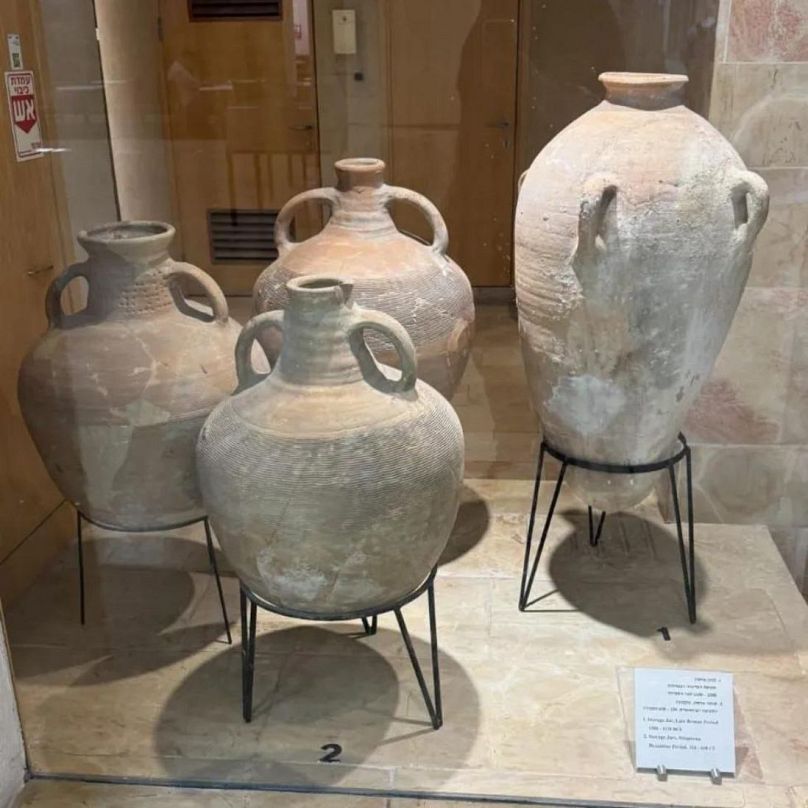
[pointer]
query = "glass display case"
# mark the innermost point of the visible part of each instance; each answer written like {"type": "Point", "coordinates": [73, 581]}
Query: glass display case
{"type": "Point", "coordinates": [385, 383]}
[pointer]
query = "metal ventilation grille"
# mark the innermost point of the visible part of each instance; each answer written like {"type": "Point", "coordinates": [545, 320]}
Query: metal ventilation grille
{"type": "Point", "coordinates": [235, 9]}
{"type": "Point", "coordinates": [242, 235]}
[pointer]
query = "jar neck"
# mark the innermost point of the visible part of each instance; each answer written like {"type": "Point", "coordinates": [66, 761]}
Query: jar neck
{"type": "Point", "coordinates": [125, 269]}
{"type": "Point", "coordinates": [362, 198]}
{"type": "Point", "coordinates": [316, 340]}
{"type": "Point", "coordinates": [118, 286]}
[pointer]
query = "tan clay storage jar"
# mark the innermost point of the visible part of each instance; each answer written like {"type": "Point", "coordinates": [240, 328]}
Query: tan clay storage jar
{"type": "Point", "coordinates": [634, 235]}
{"type": "Point", "coordinates": [115, 395]}
{"type": "Point", "coordinates": [415, 283]}
{"type": "Point", "coordinates": [333, 482]}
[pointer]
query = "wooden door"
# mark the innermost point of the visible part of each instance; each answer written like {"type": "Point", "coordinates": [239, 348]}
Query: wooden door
{"type": "Point", "coordinates": [31, 255]}
{"type": "Point", "coordinates": [243, 126]}
{"type": "Point", "coordinates": [452, 96]}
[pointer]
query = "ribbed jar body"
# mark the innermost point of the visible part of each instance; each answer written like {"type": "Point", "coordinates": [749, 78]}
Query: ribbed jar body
{"type": "Point", "coordinates": [115, 395]}
{"type": "Point", "coordinates": [634, 235]}
{"type": "Point", "coordinates": [332, 487]}
{"type": "Point", "coordinates": [417, 284]}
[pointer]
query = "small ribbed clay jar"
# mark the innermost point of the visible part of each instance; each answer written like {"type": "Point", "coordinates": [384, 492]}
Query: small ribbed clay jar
{"type": "Point", "coordinates": [114, 396]}
{"type": "Point", "coordinates": [333, 482]}
{"type": "Point", "coordinates": [415, 283]}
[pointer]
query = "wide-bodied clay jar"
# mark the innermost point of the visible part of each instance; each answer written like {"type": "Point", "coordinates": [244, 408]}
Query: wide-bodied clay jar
{"type": "Point", "coordinates": [634, 235]}
{"type": "Point", "coordinates": [333, 482]}
{"type": "Point", "coordinates": [114, 396]}
{"type": "Point", "coordinates": [416, 284]}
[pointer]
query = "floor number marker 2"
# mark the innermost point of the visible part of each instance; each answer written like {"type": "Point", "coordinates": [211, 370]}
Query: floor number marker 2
{"type": "Point", "coordinates": [332, 753]}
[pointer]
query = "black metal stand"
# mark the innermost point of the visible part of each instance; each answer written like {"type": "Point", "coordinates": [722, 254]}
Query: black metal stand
{"type": "Point", "coordinates": [687, 557]}
{"type": "Point", "coordinates": [211, 558]}
{"type": "Point", "coordinates": [369, 622]}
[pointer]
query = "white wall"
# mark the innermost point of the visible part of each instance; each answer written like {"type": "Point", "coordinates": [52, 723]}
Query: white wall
{"type": "Point", "coordinates": [352, 111]}
{"type": "Point", "coordinates": [131, 57]}
{"type": "Point", "coordinates": [79, 113]}
{"type": "Point", "coordinates": [12, 755]}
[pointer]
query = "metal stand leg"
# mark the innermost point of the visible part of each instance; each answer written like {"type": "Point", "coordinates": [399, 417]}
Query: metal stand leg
{"type": "Point", "coordinates": [687, 555]}
{"type": "Point", "coordinates": [247, 656]}
{"type": "Point", "coordinates": [527, 583]}
{"type": "Point", "coordinates": [691, 533]}
{"type": "Point", "coordinates": [81, 567]}
{"type": "Point", "coordinates": [215, 567]}
{"type": "Point", "coordinates": [433, 637]}
{"type": "Point", "coordinates": [687, 558]}
{"type": "Point", "coordinates": [370, 624]}
{"type": "Point", "coordinates": [594, 535]}
{"type": "Point", "coordinates": [435, 708]}
{"type": "Point", "coordinates": [531, 524]}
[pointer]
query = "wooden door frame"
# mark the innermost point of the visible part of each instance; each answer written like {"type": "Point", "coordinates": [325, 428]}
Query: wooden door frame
{"type": "Point", "coordinates": [178, 250]}
{"type": "Point", "coordinates": [46, 538]}
{"type": "Point", "coordinates": [522, 20]}
{"type": "Point", "coordinates": [67, 253]}
{"type": "Point", "coordinates": [521, 158]}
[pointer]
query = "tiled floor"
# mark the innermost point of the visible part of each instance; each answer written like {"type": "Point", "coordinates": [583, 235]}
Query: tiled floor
{"type": "Point", "coordinates": [536, 704]}
{"type": "Point", "coordinates": [492, 401]}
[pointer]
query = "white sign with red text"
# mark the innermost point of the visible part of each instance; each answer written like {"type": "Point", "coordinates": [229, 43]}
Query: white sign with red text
{"type": "Point", "coordinates": [24, 115]}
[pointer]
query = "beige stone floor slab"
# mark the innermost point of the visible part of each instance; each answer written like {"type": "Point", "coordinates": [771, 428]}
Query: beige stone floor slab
{"type": "Point", "coordinates": [537, 704]}
{"type": "Point", "coordinates": [492, 400]}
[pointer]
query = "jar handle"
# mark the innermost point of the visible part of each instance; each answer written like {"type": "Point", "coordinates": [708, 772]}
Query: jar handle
{"type": "Point", "coordinates": [521, 181]}
{"type": "Point", "coordinates": [397, 334]}
{"type": "Point", "coordinates": [750, 197]}
{"type": "Point", "coordinates": [247, 376]}
{"type": "Point", "coordinates": [53, 297]}
{"type": "Point", "coordinates": [215, 295]}
{"type": "Point", "coordinates": [598, 193]}
{"type": "Point", "coordinates": [283, 222]}
{"type": "Point", "coordinates": [440, 237]}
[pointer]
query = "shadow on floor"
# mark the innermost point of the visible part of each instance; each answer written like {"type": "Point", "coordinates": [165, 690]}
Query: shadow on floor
{"type": "Point", "coordinates": [473, 517]}
{"type": "Point", "coordinates": [330, 687]}
{"type": "Point", "coordinates": [631, 580]}
{"type": "Point", "coordinates": [135, 608]}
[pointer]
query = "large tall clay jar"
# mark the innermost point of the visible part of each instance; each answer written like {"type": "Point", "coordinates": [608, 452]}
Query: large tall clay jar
{"type": "Point", "coordinates": [115, 395]}
{"type": "Point", "coordinates": [634, 234]}
{"type": "Point", "coordinates": [417, 284]}
{"type": "Point", "coordinates": [332, 484]}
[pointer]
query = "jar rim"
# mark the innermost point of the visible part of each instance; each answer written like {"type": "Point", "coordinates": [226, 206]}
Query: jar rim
{"type": "Point", "coordinates": [360, 165]}
{"type": "Point", "coordinates": [128, 231]}
{"type": "Point", "coordinates": [616, 78]}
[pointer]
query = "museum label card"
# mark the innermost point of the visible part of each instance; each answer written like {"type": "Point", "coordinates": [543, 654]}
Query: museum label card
{"type": "Point", "coordinates": [684, 720]}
